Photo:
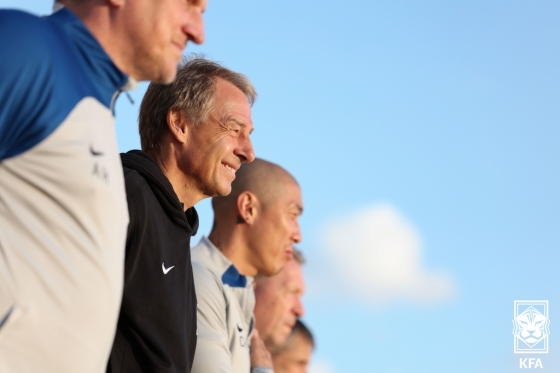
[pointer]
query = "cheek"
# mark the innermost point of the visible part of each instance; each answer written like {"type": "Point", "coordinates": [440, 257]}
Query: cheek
{"type": "Point", "coordinates": [275, 311]}
{"type": "Point", "coordinates": [284, 308]}
{"type": "Point", "coordinates": [205, 149]}
{"type": "Point", "coordinates": [220, 147]}
{"type": "Point", "coordinates": [288, 224]}
{"type": "Point", "coordinates": [280, 228]}
{"type": "Point", "coordinates": [267, 233]}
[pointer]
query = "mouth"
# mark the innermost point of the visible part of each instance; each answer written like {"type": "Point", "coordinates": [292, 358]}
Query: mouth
{"type": "Point", "coordinates": [180, 46]}
{"type": "Point", "coordinates": [290, 326]}
{"type": "Point", "coordinates": [290, 253]}
{"type": "Point", "coordinates": [230, 168]}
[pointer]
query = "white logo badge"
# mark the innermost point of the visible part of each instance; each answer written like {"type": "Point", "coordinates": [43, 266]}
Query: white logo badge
{"type": "Point", "coordinates": [530, 326]}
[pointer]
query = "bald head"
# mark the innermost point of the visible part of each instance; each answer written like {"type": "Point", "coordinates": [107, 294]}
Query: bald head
{"type": "Point", "coordinates": [256, 225]}
{"type": "Point", "coordinates": [266, 180]}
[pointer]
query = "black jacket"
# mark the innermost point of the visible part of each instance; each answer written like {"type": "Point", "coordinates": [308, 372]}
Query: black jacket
{"type": "Point", "coordinates": [157, 325]}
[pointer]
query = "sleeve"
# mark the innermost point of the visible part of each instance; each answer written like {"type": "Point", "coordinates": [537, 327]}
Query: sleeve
{"type": "Point", "coordinates": [29, 109]}
{"type": "Point", "coordinates": [212, 353]}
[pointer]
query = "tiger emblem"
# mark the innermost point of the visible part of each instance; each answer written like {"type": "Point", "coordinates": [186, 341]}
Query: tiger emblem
{"type": "Point", "coordinates": [531, 327]}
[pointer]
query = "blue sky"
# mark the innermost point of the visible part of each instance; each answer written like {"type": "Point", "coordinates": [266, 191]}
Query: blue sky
{"type": "Point", "coordinates": [425, 136]}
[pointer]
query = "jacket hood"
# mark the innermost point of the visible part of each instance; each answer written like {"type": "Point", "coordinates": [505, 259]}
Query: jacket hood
{"type": "Point", "coordinates": [161, 187]}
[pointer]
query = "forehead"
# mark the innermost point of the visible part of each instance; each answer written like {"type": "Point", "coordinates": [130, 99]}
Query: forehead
{"type": "Point", "coordinates": [291, 276]}
{"type": "Point", "coordinates": [230, 98]}
{"type": "Point", "coordinates": [291, 195]}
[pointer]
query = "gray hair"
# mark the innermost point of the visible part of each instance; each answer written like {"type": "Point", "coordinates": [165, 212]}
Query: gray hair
{"type": "Point", "coordinates": [192, 93]}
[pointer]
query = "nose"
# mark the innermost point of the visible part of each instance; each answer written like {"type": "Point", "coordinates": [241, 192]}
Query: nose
{"type": "Point", "coordinates": [296, 237]}
{"type": "Point", "coordinates": [245, 151]}
{"type": "Point", "coordinates": [298, 309]}
{"type": "Point", "coordinates": [193, 27]}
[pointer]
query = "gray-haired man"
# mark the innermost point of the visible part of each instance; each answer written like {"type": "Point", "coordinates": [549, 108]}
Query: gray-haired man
{"type": "Point", "coordinates": [195, 136]}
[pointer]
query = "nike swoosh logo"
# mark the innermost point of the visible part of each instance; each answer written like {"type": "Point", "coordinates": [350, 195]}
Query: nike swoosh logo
{"type": "Point", "coordinates": [165, 270]}
{"type": "Point", "coordinates": [95, 153]}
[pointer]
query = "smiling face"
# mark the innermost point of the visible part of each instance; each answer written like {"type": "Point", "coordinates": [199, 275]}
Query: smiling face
{"type": "Point", "coordinates": [158, 31]}
{"type": "Point", "coordinates": [278, 304]}
{"type": "Point", "coordinates": [215, 149]}
{"type": "Point", "coordinates": [276, 229]}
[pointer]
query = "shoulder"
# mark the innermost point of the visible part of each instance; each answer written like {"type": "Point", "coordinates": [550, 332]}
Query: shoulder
{"type": "Point", "coordinates": [138, 192]}
{"type": "Point", "coordinates": [27, 82]}
{"type": "Point", "coordinates": [209, 288]}
{"type": "Point", "coordinates": [21, 21]}
{"type": "Point", "coordinates": [205, 278]}
{"type": "Point", "coordinates": [133, 180]}
{"type": "Point", "coordinates": [26, 36]}
{"type": "Point", "coordinates": [140, 200]}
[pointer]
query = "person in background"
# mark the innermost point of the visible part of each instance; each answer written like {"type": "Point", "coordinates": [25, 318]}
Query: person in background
{"type": "Point", "coordinates": [278, 302]}
{"type": "Point", "coordinates": [255, 228]}
{"type": "Point", "coordinates": [195, 136]}
{"type": "Point", "coordinates": [63, 209]}
{"type": "Point", "coordinates": [294, 356]}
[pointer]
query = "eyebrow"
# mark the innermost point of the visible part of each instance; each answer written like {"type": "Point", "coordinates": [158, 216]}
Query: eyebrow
{"type": "Point", "coordinates": [241, 124]}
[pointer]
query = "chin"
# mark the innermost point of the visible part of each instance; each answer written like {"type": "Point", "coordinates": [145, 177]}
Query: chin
{"type": "Point", "coordinates": [163, 73]}
{"type": "Point", "coordinates": [223, 190]}
{"type": "Point", "coordinates": [168, 76]}
{"type": "Point", "coordinates": [280, 339]}
{"type": "Point", "coordinates": [221, 193]}
{"type": "Point", "coordinates": [278, 267]}
{"type": "Point", "coordinates": [274, 268]}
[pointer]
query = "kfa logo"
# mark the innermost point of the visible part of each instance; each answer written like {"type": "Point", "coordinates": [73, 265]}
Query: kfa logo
{"type": "Point", "coordinates": [530, 326]}
{"type": "Point", "coordinates": [530, 331]}
{"type": "Point", "coordinates": [530, 363]}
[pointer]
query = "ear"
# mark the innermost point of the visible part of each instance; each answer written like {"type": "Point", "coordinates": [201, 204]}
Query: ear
{"type": "Point", "coordinates": [177, 125]}
{"type": "Point", "coordinates": [247, 207]}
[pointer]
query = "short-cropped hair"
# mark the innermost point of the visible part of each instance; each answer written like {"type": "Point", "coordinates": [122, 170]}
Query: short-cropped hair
{"type": "Point", "coordinates": [192, 93]}
{"type": "Point", "coordinates": [298, 256]}
{"type": "Point", "coordinates": [302, 330]}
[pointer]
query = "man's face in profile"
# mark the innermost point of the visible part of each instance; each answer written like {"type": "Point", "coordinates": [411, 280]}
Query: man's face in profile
{"type": "Point", "coordinates": [215, 149]}
{"type": "Point", "coordinates": [278, 304]}
{"type": "Point", "coordinates": [160, 30]}
{"type": "Point", "coordinates": [276, 229]}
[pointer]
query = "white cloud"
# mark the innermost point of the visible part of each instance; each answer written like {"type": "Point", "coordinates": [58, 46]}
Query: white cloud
{"type": "Point", "coordinates": [376, 256]}
{"type": "Point", "coordinates": [320, 367]}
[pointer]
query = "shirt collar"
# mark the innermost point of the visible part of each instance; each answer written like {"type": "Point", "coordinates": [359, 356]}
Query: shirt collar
{"type": "Point", "coordinates": [230, 274]}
